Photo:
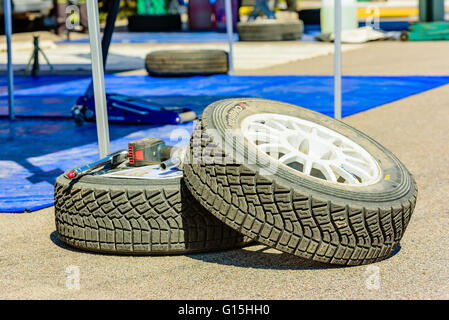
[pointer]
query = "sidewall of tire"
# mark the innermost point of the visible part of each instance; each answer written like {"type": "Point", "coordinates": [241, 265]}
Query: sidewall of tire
{"type": "Point", "coordinates": [287, 210]}
{"type": "Point", "coordinates": [186, 62]}
{"type": "Point", "coordinates": [395, 183]}
{"type": "Point", "coordinates": [178, 215]}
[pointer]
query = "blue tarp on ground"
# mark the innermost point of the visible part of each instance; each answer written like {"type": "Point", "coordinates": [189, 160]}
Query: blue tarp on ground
{"type": "Point", "coordinates": [35, 151]}
{"type": "Point", "coordinates": [310, 31]}
{"type": "Point", "coordinates": [164, 37]}
{"type": "Point", "coordinates": [179, 37]}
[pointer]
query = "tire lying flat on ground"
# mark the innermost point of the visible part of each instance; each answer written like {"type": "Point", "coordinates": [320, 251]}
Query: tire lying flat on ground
{"type": "Point", "coordinates": [186, 62]}
{"type": "Point", "coordinates": [292, 30]}
{"type": "Point", "coordinates": [136, 216]}
{"type": "Point", "coordinates": [348, 214]}
{"type": "Point", "coordinates": [270, 30]}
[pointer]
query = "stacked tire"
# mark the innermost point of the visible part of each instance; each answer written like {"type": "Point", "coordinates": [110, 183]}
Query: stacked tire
{"type": "Point", "coordinates": [310, 186]}
{"type": "Point", "coordinates": [270, 30]}
{"type": "Point", "coordinates": [186, 62]}
{"type": "Point", "coordinates": [136, 216]}
{"type": "Point", "coordinates": [300, 214]}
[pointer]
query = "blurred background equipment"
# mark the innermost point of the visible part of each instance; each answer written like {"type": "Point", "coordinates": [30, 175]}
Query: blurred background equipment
{"type": "Point", "coordinates": [186, 62]}
{"type": "Point", "coordinates": [29, 6]}
{"type": "Point", "coordinates": [220, 14]}
{"type": "Point", "coordinates": [348, 19]}
{"type": "Point", "coordinates": [127, 109]}
{"type": "Point", "coordinates": [431, 10]}
{"type": "Point", "coordinates": [431, 26]}
{"type": "Point", "coordinates": [200, 15]}
{"type": "Point", "coordinates": [28, 15]}
{"type": "Point", "coordinates": [151, 7]}
{"type": "Point", "coordinates": [270, 30]}
{"type": "Point", "coordinates": [34, 59]}
{"type": "Point", "coordinates": [155, 15]}
{"type": "Point", "coordinates": [426, 31]}
{"type": "Point", "coordinates": [261, 7]}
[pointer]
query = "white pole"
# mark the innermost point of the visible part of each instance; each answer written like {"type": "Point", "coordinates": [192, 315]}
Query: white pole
{"type": "Point", "coordinates": [228, 9]}
{"type": "Point", "coordinates": [337, 61]}
{"type": "Point", "coordinates": [101, 111]}
{"type": "Point", "coordinates": [8, 32]}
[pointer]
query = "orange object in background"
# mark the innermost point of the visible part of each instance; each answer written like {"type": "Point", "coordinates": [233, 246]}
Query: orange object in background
{"type": "Point", "coordinates": [200, 15]}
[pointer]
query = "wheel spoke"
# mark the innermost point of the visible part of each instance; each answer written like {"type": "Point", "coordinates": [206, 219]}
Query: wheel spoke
{"type": "Point", "coordinates": [356, 161]}
{"type": "Point", "coordinates": [311, 148]}
{"type": "Point", "coordinates": [346, 175]}
{"type": "Point", "coordinates": [307, 166]}
{"type": "Point", "coordinates": [275, 125]}
{"type": "Point", "coordinates": [304, 146]}
{"type": "Point", "coordinates": [345, 149]}
{"type": "Point", "coordinates": [363, 174]}
{"type": "Point", "coordinates": [327, 171]}
{"type": "Point", "coordinates": [274, 148]}
{"type": "Point", "coordinates": [289, 158]}
{"type": "Point", "coordinates": [300, 128]}
{"type": "Point", "coordinates": [260, 127]}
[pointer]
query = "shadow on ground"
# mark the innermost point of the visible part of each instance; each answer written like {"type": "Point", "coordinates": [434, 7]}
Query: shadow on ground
{"type": "Point", "coordinates": [255, 256]}
{"type": "Point", "coordinates": [262, 257]}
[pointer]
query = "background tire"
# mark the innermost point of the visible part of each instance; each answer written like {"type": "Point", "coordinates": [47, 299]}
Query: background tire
{"type": "Point", "coordinates": [259, 31]}
{"type": "Point", "coordinates": [148, 23]}
{"type": "Point", "coordinates": [186, 62]}
{"type": "Point", "coordinates": [287, 210]}
{"type": "Point", "coordinates": [292, 30]}
{"type": "Point", "coordinates": [135, 216]}
{"type": "Point", "coordinates": [270, 30]}
{"type": "Point", "coordinates": [405, 36]}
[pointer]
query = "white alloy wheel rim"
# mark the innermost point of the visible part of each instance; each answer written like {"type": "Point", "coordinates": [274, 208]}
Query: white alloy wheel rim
{"type": "Point", "coordinates": [311, 149]}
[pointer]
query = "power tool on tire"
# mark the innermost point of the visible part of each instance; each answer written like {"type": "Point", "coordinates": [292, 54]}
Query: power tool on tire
{"type": "Point", "coordinates": [143, 152]}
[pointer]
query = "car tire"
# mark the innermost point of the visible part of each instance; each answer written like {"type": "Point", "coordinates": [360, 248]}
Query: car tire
{"type": "Point", "coordinates": [136, 216]}
{"type": "Point", "coordinates": [186, 62]}
{"type": "Point", "coordinates": [270, 30]}
{"type": "Point", "coordinates": [300, 214]}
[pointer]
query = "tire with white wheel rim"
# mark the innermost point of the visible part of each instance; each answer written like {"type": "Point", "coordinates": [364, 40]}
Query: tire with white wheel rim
{"type": "Point", "coordinates": [299, 181]}
{"type": "Point", "coordinates": [112, 212]}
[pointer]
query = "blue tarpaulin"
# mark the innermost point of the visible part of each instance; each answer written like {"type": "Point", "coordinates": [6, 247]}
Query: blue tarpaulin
{"type": "Point", "coordinates": [36, 150]}
{"type": "Point", "coordinates": [163, 37]}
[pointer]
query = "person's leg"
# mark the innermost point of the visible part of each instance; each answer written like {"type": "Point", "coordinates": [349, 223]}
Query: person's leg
{"type": "Point", "coordinates": [61, 15]}
{"type": "Point", "coordinates": [83, 14]}
{"type": "Point", "coordinates": [291, 5]}
{"type": "Point", "coordinates": [239, 4]}
{"type": "Point", "coordinates": [266, 9]}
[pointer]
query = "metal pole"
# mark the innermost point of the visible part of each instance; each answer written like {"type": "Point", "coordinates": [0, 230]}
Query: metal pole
{"type": "Point", "coordinates": [101, 111]}
{"type": "Point", "coordinates": [228, 8]}
{"type": "Point", "coordinates": [337, 61]}
{"type": "Point", "coordinates": [8, 32]}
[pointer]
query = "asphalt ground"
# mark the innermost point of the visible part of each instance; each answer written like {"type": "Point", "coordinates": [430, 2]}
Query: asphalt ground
{"type": "Point", "coordinates": [34, 264]}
